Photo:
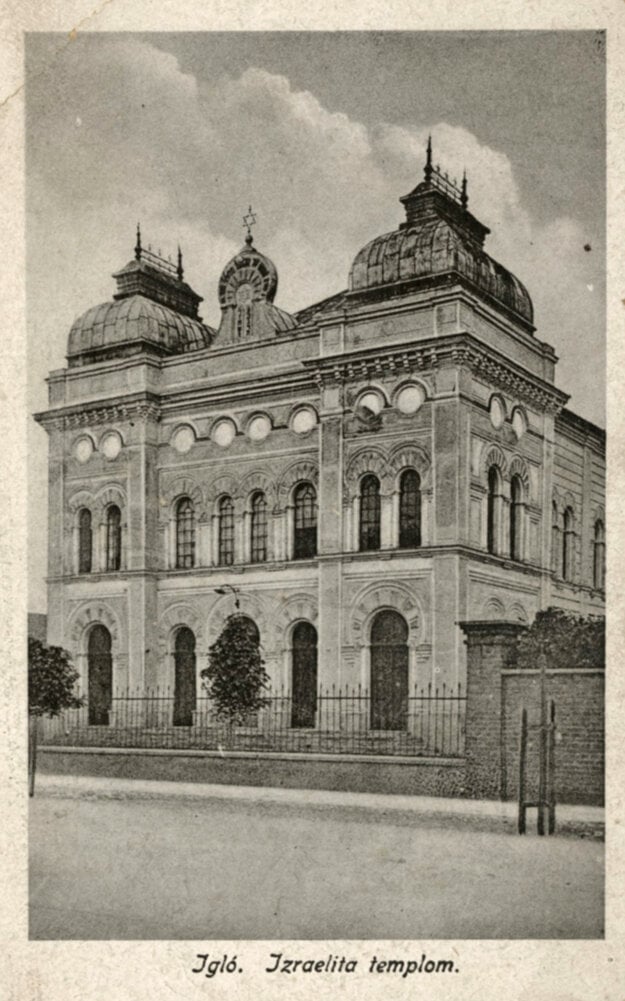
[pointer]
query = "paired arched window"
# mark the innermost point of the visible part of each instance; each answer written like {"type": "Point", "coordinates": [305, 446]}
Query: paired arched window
{"type": "Point", "coordinates": [555, 539]}
{"type": "Point", "coordinates": [369, 535]}
{"type": "Point", "coordinates": [598, 556]}
{"type": "Point", "coordinates": [113, 537]}
{"type": "Point", "coordinates": [185, 534]}
{"type": "Point", "coordinates": [226, 531]}
{"type": "Point", "coordinates": [409, 509]}
{"type": "Point", "coordinates": [493, 513]}
{"type": "Point", "coordinates": [305, 521]}
{"type": "Point", "coordinates": [258, 531]}
{"type": "Point", "coordinates": [85, 541]}
{"type": "Point", "coordinates": [516, 518]}
{"type": "Point", "coordinates": [568, 544]}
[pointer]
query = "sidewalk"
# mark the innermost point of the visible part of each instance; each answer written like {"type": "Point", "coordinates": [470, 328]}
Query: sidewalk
{"type": "Point", "coordinates": [587, 821]}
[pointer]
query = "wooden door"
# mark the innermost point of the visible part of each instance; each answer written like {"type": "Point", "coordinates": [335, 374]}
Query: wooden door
{"type": "Point", "coordinates": [389, 672]}
{"type": "Point", "coordinates": [184, 679]}
{"type": "Point", "coordinates": [304, 676]}
{"type": "Point", "coordinates": [100, 684]}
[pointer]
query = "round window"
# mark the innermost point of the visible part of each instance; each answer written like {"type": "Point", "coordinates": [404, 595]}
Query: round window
{"type": "Point", "coordinates": [497, 412]}
{"type": "Point", "coordinates": [519, 422]}
{"type": "Point", "coordinates": [111, 445]}
{"type": "Point", "coordinates": [409, 399]}
{"type": "Point", "coordinates": [304, 420]}
{"type": "Point", "coordinates": [224, 432]}
{"type": "Point", "coordinates": [183, 439]}
{"type": "Point", "coordinates": [371, 401]}
{"type": "Point", "coordinates": [83, 449]}
{"type": "Point", "coordinates": [259, 427]}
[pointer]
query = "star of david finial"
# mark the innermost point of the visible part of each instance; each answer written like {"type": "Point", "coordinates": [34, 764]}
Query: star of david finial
{"type": "Point", "coordinates": [249, 220]}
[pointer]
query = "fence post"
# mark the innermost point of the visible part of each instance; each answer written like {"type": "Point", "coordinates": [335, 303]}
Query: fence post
{"type": "Point", "coordinates": [491, 647]}
{"type": "Point", "coordinates": [522, 769]}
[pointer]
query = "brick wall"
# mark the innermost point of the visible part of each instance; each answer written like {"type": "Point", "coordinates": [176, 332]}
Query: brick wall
{"type": "Point", "coordinates": [579, 700]}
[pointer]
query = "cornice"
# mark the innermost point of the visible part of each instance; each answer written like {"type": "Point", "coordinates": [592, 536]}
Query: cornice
{"type": "Point", "coordinates": [144, 407]}
{"type": "Point", "coordinates": [457, 349]}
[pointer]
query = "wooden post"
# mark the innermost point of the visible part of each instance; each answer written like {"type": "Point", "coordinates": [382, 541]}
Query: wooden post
{"type": "Point", "coordinates": [522, 767]}
{"type": "Point", "coordinates": [552, 767]}
{"type": "Point", "coordinates": [542, 747]}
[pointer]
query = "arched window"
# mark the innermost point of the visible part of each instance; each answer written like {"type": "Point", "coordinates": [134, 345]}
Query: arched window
{"type": "Point", "coordinates": [100, 676]}
{"type": "Point", "coordinates": [516, 518]}
{"type": "Point", "coordinates": [389, 671]}
{"type": "Point", "coordinates": [185, 534]}
{"type": "Point", "coordinates": [568, 545]}
{"type": "Point", "coordinates": [369, 513]}
{"type": "Point", "coordinates": [409, 509]}
{"type": "Point", "coordinates": [85, 545]}
{"type": "Point", "coordinates": [555, 539]}
{"type": "Point", "coordinates": [258, 548]}
{"type": "Point", "coordinates": [598, 552]}
{"type": "Point", "coordinates": [184, 677]}
{"type": "Point", "coordinates": [493, 519]}
{"type": "Point", "coordinates": [113, 537]}
{"type": "Point", "coordinates": [226, 531]}
{"type": "Point", "coordinates": [304, 675]}
{"type": "Point", "coordinates": [305, 521]}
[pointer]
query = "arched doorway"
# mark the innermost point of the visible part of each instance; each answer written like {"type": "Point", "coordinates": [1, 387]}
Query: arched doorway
{"type": "Point", "coordinates": [184, 677]}
{"type": "Point", "coordinates": [100, 678]}
{"type": "Point", "coordinates": [389, 671]}
{"type": "Point", "coordinates": [304, 675]}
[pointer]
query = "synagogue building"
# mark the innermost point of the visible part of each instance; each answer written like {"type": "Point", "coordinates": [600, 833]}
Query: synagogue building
{"type": "Point", "coordinates": [355, 478]}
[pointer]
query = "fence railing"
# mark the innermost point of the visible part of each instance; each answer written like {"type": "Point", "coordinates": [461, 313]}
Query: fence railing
{"type": "Point", "coordinates": [430, 721]}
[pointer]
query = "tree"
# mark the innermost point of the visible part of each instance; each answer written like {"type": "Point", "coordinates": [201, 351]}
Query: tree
{"type": "Point", "coordinates": [51, 681]}
{"type": "Point", "coordinates": [567, 640]}
{"type": "Point", "coordinates": [235, 677]}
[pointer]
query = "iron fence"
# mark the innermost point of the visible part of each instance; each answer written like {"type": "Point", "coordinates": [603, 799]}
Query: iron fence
{"type": "Point", "coordinates": [336, 720]}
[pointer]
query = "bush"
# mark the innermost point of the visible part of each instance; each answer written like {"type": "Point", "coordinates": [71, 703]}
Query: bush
{"type": "Point", "coordinates": [567, 640]}
{"type": "Point", "coordinates": [235, 677]}
{"type": "Point", "coordinates": [51, 680]}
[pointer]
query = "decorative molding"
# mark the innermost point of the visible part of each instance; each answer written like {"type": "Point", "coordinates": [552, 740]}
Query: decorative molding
{"type": "Point", "coordinates": [302, 470]}
{"type": "Point", "coordinates": [90, 415]}
{"type": "Point", "coordinates": [377, 596]}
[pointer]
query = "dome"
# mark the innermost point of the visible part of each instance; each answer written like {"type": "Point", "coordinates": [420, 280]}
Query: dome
{"type": "Point", "coordinates": [436, 247]}
{"type": "Point", "coordinates": [440, 237]}
{"type": "Point", "coordinates": [128, 325]}
{"type": "Point", "coordinates": [248, 275]}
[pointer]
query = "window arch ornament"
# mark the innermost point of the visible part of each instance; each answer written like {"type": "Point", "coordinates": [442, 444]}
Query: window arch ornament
{"type": "Point", "coordinates": [295, 608]}
{"type": "Point", "coordinates": [366, 460]}
{"type": "Point", "coordinates": [91, 613]}
{"type": "Point", "coordinates": [112, 493]}
{"type": "Point", "coordinates": [250, 605]}
{"type": "Point", "coordinates": [258, 481]}
{"type": "Point", "coordinates": [219, 487]}
{"type": "Point", "coordinates": [519, 467]}
{"type": "Point", "coordinates": [180, 613]}
{"type": "Point", "coordinates": [300, 471]}
{"type": "Point", "coordinates": [494, 608]}
{"type": "Point", "coordinates": [410, 456]}
{"type": "Point", "coordinates": [494, 456]}
{"type": "Point", "coordinates": [171, 493]}
{"type": "Point", "coordinates": [373, 598]}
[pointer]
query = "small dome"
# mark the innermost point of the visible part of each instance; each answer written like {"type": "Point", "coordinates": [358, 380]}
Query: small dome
{"type": "Point", "coordinates": [249, 275]}
{"type": "Point", "coordinates": [129, 325]}
{"type": "Point", "coordinates": [435, 246]}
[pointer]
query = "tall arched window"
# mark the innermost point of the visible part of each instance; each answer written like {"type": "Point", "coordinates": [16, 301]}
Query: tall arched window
{"type": "Point", "coordinates": [568, 545]}
{"type": "Point", "coordinates": [369, 513]}
{"type": "Point", "coordinates": [516, 518]}
{"type": "Point", "coordinates": [258, 548]}
{"type": "Point", "coordinates": [493, 510]}
{"type": "Point", "coordinates": [409, 509]}
{"type": "Point", "coordinates": [555, 539]}
{"type": "Point", "coordinates": [389, 671]}
{"type": "Point", "coordinates": [113, 537]}
{"type": "Point", "coordinates": [226, 531]}
{"type": "Point", "coordinates": [305, 521]}
{"type": "Point", "coordinates": [85, 544]}
{"type": "Point", "coordinates": [185, 534]}
{"type": "Point", "coordinates": [598, 553]}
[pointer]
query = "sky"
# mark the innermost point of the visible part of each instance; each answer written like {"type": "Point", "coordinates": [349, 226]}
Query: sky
{"type": "Point", "coordinates": [321, 133]}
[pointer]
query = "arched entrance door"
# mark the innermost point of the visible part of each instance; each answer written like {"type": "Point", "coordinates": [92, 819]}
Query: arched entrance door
{"type": "Point", "coordinates": [304, 675]}
{"type": "Point", "coordinates": [100, 683]}
{"type": "Point", "coordinates": [389, 671]}
{"type": "Point", "coordinates": [184, 677]}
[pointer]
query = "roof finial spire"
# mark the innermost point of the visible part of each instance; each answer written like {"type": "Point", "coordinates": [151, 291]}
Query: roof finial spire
{"type": "Point", "coordinates": [138, 247]}
{"type": "Point", "coordinates": [179, 270]}
{"type": "Point", "coordinates": [249, 220]}
{"type": "Point", "coordinates": [428, 161]}
{"type": "Point", "coordinates": [464, 197]}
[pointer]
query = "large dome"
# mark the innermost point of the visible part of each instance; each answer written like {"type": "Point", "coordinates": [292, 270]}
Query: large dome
{"type": "Point", "coordinates": [439, 239]}
{"type": "Point", "coordinates": [129, 325]}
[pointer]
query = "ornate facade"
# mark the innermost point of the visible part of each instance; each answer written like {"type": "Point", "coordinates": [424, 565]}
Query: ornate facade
{"type": "Point", "coordinates": [379, 466]}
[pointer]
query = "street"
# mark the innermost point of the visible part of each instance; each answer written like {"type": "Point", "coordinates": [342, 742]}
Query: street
{"type": "Point", "coordinates": [106, 868]}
